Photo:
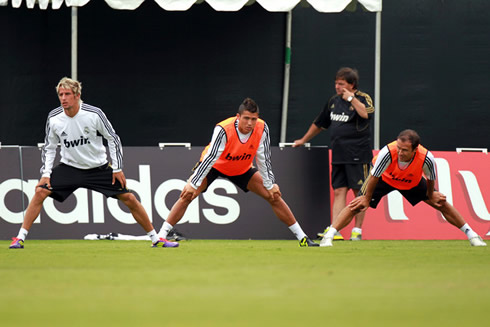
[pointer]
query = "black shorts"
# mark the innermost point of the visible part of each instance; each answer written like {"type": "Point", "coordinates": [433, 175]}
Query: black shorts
{"type": "Point", "coordinates": [66, 179]}
{"type": "Point", "coordinates": [351, 176]}
{"type": "Point", "coordinates": [239, 180]}
{"type": "Point", "coordinates": [413, 195]}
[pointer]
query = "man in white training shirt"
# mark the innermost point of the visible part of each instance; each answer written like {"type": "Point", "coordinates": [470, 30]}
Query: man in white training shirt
{"type": "Point", "coordinates": [235, 143]}
{"type": "Point", "coordinates": [401, 165]}
{"type": "Point", "coordinates": [79, 128]}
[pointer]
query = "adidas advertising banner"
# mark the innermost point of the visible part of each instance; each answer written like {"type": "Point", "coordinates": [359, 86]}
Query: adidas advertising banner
{"type": "Point", "coordinates": [225, 212]}
{"type": "Point", "coordinates": [157, 177]}
{"type": "Point", "coordinates": [462, 177]}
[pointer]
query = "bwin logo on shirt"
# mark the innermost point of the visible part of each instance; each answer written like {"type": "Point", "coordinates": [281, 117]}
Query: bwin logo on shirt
{"type": "Point", "coordinates": [342, 117]}
{"type": "Point", "coordinates": [245, 156]}
{"type": "Point", "coordinates": [404, 180]}
{"type": "Point", "coordinates": [80, 141]}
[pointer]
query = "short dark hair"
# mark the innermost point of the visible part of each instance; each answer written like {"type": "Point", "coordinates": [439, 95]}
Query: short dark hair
{"type": "Point", "coordinates": [248, 105]}
{"type": "Point", "coordinates": [411, 136]}
{"type": "Point", "coordinates": [350, 75]}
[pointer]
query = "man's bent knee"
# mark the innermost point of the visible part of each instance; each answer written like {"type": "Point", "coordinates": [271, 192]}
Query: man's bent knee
{"type": "Point", "coordinates": [128, 198]}
{"type": "Point", "coordinates": [186, 200]}
{"type": "Point", "coordinates": [276, 200]}
{"type": "Point", "coordinates": [41, 193]}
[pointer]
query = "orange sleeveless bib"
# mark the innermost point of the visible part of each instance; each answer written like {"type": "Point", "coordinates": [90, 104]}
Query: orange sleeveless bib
{"type": "Point", "coordinates": [237, 157]}
{"type": "Point", "coordinates": [409, 177]}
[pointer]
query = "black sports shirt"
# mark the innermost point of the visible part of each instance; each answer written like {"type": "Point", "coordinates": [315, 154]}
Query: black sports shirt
{"type": "Point", "coordinates": [350, 133]}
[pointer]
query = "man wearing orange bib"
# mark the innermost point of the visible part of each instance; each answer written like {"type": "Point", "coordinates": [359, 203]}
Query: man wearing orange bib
{"type": "Point", "coordinates": [235, 143]}
{"type": "Point", "coordinates": [401, 165]}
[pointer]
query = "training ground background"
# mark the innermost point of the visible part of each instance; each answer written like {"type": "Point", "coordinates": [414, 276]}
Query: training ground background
{"type": "Point", "coordinates": [244, 283]}
{"type": "Point", "coordinates": [170, 76]}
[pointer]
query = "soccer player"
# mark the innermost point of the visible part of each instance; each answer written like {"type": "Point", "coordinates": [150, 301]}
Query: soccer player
{"type": "Point", "coordinates": [79, 128]}
{"type": "Point", "coordinates": [235, 143]}
{"type": "Point", "coordinates": [348, 115]}
{"type": "Point", "coordinates": [400, 165]}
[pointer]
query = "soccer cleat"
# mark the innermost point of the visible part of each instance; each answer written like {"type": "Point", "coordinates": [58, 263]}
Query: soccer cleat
{"type": "Point", "coordinates": [320, 235]}
{"type": "Point", "coordinates": [326, 242]}
{"type": "Point", "coordinates": [17, 243]}
{"type": "Point", "coordinates": [477, 241]}
{"type": "Point", "coordinates": [163, 243]}
{"type": "Point", "coordinates": [174, 235]}
{"type": "Point", "coordinates": [305, 241]}
{"type": "Point", "coordinates": [355, 236]}
{"type": "Point", "coordinates": [337, 236]}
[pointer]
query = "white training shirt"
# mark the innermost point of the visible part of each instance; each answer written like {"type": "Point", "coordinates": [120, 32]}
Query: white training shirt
{"type": "Point", "coordinates": [384, 160]}
{"type": "Point", "coordinates": [81, 140]}
{"type": "Point", "coordinates": [217, 146]}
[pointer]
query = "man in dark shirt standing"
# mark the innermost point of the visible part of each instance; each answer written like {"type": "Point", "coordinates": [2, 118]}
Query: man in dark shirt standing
{"type": "Point", "coordinates": [348, 114]}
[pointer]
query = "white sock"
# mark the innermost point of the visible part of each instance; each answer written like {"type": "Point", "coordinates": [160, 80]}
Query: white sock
{"type": "Point", "coordinates": [297, 231]}
{"type": "Point", "coordinates": [153, 236]}
{"type": "Point", "coordinates": [468, 231]}
{"type": "Point", "coordinates": [357, 230]}
{"type": "Point", "coordinates": [166, 227]}
{"type": "Point", "coordinates": [23, 234]}
{"type": "Point", "coordinates": [331, 232]}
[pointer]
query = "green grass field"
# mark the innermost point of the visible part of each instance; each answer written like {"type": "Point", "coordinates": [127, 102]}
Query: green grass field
{"type": "Point", "coordinates": [244, 283]}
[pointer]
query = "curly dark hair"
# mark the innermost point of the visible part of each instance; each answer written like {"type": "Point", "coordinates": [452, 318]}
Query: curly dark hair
{"type": "Point", "coordinates": [350, 75]}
